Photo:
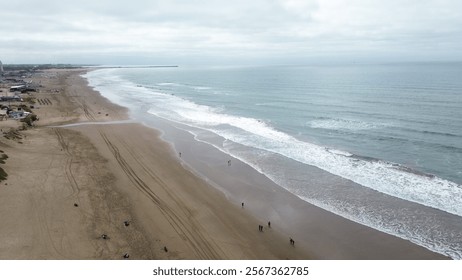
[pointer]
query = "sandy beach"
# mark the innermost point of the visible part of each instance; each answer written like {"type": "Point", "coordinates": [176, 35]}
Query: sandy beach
{"type": "Point", "coordinates": [69, 186]}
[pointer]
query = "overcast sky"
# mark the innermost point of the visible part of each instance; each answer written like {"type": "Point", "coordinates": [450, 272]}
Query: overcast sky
{"type": "Point", "coordinates": [229, 31]}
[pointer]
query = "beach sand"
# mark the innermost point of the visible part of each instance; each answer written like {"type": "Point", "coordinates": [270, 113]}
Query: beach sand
{"type": "Point", "coordinates": [67, 186]}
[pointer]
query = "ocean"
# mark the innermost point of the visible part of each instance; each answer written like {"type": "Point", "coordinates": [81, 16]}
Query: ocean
{"type": "Point", "coordinates": [393, 129]}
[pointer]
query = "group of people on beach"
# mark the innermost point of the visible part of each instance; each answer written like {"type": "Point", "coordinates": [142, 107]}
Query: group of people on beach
{"type": "Point", "coordinates": [106, 237]}
{"type": "Point", "coordinates": [292, 242]}
{"type": "Point", "coordinates": [260, 229]}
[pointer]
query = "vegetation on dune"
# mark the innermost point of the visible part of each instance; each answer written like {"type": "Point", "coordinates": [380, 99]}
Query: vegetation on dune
{"type": "Point", "coordinates": [29, 99]}
{"type": "Point", "coordinates": [29, 119]}
{"type": "Point", "coordinates": [3, 174]}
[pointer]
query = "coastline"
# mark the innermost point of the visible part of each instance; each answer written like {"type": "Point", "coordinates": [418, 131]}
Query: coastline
{"type": "Point", "coordinates": [119, 172]}
{"type": "Point", "coordinates": [323, 234]}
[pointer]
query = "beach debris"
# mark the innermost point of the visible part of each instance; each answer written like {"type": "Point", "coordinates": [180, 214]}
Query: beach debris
{"type": "Point", "coordinates": [76, 205]}
{"type": "Point", "coordinates": [107, 115]}
{"type": "Point", "coordinates": [126, 223]}
{"type": "Point", "coordinates": [126, 256]}
{"type": "Point", "coordinates": [165, 249]}
{"type": "Point", "coordinates": [12, 134]}
{"type": "Point", "coordinates": [104, 236]}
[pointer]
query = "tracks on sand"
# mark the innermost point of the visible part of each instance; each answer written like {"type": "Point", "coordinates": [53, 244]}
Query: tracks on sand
{"type": "Point", "coordinates": [86, 110]}
{"type": "Point", "coordinates": [68, 165]}
{"type": "Point", "coordinates": [182, 220]}
{"type": "Point", "coordinates": [183, 223]}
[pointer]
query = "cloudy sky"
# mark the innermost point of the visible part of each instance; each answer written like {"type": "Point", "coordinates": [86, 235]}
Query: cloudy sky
{"type": "Point", "coordinates": [229, 31]}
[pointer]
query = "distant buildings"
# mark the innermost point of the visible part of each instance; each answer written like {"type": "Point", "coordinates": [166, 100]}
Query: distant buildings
{"type": "Point", "coordinates": [1, 68]}
{"type": "Point", "coordinates": [14, 98]}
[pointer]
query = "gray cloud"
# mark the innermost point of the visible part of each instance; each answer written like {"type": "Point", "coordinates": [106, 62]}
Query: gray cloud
{"type": "Point", "coordinates": [260, 31]}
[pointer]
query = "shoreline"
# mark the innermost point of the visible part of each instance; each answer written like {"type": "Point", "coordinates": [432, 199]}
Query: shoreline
{"type": "Point", "coordinates": [149, 185]}
{"type": "Point", "coordinates": [325, 235]}
{"type": "Point", "coordinates": [211, 165]}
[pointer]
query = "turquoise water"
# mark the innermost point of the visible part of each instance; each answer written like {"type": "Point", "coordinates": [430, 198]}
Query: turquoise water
{"type": "Point", "coordinates": [396, 130]}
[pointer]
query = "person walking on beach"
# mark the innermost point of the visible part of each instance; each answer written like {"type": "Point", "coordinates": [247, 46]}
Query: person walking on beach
{"type": "Point", "coordinates": [229, 162]}
{"type": "Point", "coordinates": [242, 204]}
{"type": "Point", "coordinates": [292, 242]}
{"type": "Point", "coordinates": [269, 224]}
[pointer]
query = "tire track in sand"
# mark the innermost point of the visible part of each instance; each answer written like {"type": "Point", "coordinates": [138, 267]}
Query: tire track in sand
{"type": "Point", "coordinates": [88, 114]}
{"type": "Point", "coordinates": [68, 165]}
{"type": "Point", "coordinates": [201, 245]}
{"type": "Point", "coordinates": [196, 228]}
{"type": "Point", "coordinates": [76, 191]}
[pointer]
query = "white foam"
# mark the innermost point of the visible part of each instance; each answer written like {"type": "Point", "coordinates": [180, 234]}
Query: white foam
{"type": "Point", "coordinates": [201, 88]}
{"type": "Point", "coordinates": [338, 152]}
{"type": "Point", "coordinates": [381, 176]}
{"type": "Point", "coordinates": [167, 84]}
{"type": "Point", "coordinates": [343, 124]}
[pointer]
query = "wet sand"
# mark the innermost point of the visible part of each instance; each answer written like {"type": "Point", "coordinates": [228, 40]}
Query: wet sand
{"type": "Point", "coordinates": [125, 172]}
{"type": "Point", "coordinates": [320, 233]}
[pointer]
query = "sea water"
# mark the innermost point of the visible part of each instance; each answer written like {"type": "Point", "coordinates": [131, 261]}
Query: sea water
{"type": "Point", "coordinates": [394, 129]}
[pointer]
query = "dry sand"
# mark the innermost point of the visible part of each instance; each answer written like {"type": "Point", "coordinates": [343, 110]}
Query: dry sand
{"type": "Point", "coordinates": [67, 186]}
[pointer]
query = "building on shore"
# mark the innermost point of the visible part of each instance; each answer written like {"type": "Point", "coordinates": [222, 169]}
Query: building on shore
{"type": "Point", "coordinates": [1, 68]}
